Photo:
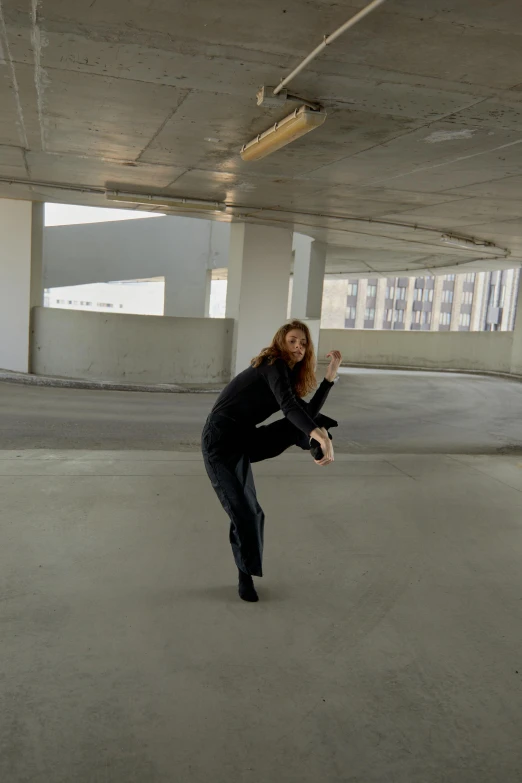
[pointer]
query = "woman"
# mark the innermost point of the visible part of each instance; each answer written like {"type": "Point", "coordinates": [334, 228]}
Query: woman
{"type": "Point", "coordinates": [277, 379]}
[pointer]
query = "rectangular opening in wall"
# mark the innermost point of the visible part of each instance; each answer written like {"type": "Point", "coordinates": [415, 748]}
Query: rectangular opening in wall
{"type": "Point", "coordinates": [218, 293]}
{"type": "Point", "coordinates": [138, 297]}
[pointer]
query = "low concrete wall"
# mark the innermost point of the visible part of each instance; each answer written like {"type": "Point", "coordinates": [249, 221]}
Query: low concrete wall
{"type": "Point", "coordinates": [131, 348]}
{"type": "Point", "coordinates": [475, 351]}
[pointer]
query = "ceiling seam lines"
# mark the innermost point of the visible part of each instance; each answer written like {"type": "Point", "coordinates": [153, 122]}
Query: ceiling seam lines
{"type": "Point", "coordinates": [4, 44]}
{"type": "Point", "coordinates": [38, 41]}
{"type": "Point", "coordinates": [169, 116]}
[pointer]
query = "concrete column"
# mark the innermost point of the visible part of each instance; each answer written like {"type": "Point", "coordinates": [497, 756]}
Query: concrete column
{"type": "Point", "coordinates": [382, 284]}
{"type": "Point", "coordinates": [510, 276]}
{"type": "Point", "coordinates": [308, 283]}
{"type": "Point", "coordinates": [21, 279]}
{"type": "Point", "coordinates": [457, 302]}
{"type": "Point", "coordinates": [516, 356]}
{"type": "Point", "coordinates": [478, 296]}
{"type": "Point", "coordinates": [410, 293]}
{"type": "Point", "coordinates": [437, 302]}
{"type": "Point", "coordinates": [257, 293]}
{"type": "Point", "coordinates": [333, 312]}
{"type": "Point", "coordinates": [362, 289]}
{"type": "Point", "coordinates": [513, 307]}
{"type": "Point", "coordinates": [187, 291]}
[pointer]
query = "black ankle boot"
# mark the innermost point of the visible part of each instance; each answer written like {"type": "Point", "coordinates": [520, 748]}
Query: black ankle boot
{"type": "Point", "coordinates": [246, 588]}
{"type": "Point", "coordinates": [316, 450]}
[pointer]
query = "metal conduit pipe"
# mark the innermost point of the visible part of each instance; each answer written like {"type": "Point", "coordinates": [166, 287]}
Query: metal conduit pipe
{"type": "Point", "coordinates": [328, 40]}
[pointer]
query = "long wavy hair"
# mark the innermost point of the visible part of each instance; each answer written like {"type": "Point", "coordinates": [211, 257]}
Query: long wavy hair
{"type": "Point", "coordinates": [305, 379]}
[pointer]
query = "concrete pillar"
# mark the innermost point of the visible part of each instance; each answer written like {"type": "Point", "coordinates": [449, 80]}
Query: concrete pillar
{"type": "Point", "coordinates": [516, 357]}
{"type": "Point", "coordinates": [457, 302]}
{"type": "Point", "coordinates": [437, 302]}
{"type": "Point", "coordinates": [362, 289]}
{"type": "Point", "coordinates": [187, 291]}
{"type": "Point", "coordinates": [21, 279]}
{"type": "Point", "coordinates": [410, 293]}
{"type": "Point", "coordinates": [477, 308]}
{"type": "Point", "coordinates": [308, 283]}
{"type": "Point", "coordinates": [382, 284]}
{"type": "Point", "coordinates": [257, 292]}
{"type": "Point", "coordinates": [333, 312]}
{"type": "Point", "coordinates": [513, 307]}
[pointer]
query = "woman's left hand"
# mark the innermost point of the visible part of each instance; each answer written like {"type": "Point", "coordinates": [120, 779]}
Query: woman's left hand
{"type": "Point", "coordinates": [335, 361]}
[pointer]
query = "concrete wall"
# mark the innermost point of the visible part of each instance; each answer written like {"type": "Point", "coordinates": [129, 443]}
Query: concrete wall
{"type": "Point", "coordinates": [131, 348]}
{"type": "Point", "coordinates": [476, 351]}
{"type": "Point", "coordinates": [131, 249]}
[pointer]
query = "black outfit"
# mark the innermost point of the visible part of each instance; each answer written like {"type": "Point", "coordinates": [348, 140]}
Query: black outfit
{"type": "Point", "coordinates": [231, 441]}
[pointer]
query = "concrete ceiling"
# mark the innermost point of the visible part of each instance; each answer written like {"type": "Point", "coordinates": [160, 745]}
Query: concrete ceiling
{"type": "Point", "coordinates": [423, 137]}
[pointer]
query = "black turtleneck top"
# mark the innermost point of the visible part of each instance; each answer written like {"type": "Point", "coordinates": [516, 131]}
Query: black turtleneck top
{"type": "Point", "coordinates": [258, 392]}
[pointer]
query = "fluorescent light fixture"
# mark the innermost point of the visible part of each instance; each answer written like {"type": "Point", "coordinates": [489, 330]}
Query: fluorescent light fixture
{"type": "Point", "coordinates": [465, 243]}
{"type": "Point", "coordinates": [294, 126]}
{"type": "Point", "coordinates": [174, 202]}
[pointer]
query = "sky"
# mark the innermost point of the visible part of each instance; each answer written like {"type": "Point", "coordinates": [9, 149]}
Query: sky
{"type": "Point", "coordinates": [68, 214]}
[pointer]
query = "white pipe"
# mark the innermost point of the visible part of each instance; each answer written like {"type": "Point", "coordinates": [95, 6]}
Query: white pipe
{"type": "Point", "coordinates": [328, 40]}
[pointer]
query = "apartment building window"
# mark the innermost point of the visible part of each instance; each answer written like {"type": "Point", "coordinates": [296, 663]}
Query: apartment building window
{"type": "Point", "coordinates": [447, 297]}
{"type": "Point", "coordinates": [425, 317]}
{"type": "Point", "coordinates": [353, 289]}
{"type": "Point", "coordinates": [449, 277]}
{"type": "Point", "coordinates": [428, 294]}
{"type": "Point", "coordinates": [371, 291]}
{"type": "Point", "coordinates": [388, 315]}
{"type": "Point", "coordinates": [351, 312]}
{"type": "Point", "coordinates": [465, 319]}
{"type": "Point", "coordinates": [398, 317]}
{"type": "Point", "coordinates": [470, 277]}
{"type": "Point", "coordinates": [419, 294]}
{"type": "Point", "coordinates": [369, 314]}
{"type": "Point", "coordinates": [390, 292]}
{"type": "Point", "coordinates": [416, 316]}
{"type": "Point", "coordinates": [467, 297]}
{"type": "Point", "coordinates": [502, 295]}
{"type": "Point", "coordinates": [445, 319]}
{"type": "Point", "coordinates": [401, 293]}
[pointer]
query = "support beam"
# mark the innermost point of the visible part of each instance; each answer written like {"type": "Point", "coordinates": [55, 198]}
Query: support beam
{"type": "Point", "coordinates": [257, 292]}
{"type": "Point", "coordinates": [21, 286]}
{"type": "Point", "coordinates": [307, 293]}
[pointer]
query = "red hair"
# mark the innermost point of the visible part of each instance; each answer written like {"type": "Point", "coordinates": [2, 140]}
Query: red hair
{"type": "Point", "coordinates": [305, 381]}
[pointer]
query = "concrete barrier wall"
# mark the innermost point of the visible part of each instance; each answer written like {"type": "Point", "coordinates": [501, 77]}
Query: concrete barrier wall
{"type": "Point", "coordinates": [131, 348]}
{"type": "Point", "coordinates": [150, 349]}
{"type": "Point", "coordinates": [476, 351]}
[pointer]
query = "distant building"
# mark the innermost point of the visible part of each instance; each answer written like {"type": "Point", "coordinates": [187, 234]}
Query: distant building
{"type": "Point", "coordinates": [483, 301]}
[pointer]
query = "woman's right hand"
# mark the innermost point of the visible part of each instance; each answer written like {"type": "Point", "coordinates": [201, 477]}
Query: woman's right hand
{"type": "Point", "coordinates": [321, 436]}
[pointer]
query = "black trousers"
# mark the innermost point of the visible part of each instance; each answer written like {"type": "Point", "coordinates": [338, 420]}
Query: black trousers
{"type": "Point", "coordinates": [228, 452]}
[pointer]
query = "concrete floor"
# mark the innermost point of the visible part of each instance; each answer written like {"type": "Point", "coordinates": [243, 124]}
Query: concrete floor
{"type": "Point", "coordinates": [386, 647]}
{"type": "Point", "coordinates": [379, 412]}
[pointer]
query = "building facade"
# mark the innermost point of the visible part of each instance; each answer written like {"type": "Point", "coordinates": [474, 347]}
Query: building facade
{"type": "Point", "coordinates": [483, 301]}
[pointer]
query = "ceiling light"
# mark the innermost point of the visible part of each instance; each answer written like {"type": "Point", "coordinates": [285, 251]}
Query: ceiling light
{"type": "Point", "coordinates": [466, 243]}
{"type": "Point", "coordinates": [189, 204]}
{"type": "Point", "coordinates": [294, 126]}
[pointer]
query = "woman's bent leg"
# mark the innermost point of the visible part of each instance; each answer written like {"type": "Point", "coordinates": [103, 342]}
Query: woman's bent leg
{"type": "Point", "coordinates": [271, 440]}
